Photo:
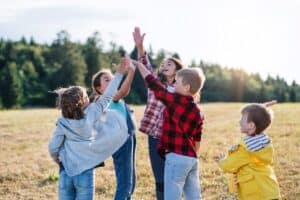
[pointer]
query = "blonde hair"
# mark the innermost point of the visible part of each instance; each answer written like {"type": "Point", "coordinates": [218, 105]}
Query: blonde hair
{"type": "Point", "coordinates": [71, 101]}
{"type": "Point", "coordinates": [193, 77]}
{"type": "Point", "coordinates": [260, 115]}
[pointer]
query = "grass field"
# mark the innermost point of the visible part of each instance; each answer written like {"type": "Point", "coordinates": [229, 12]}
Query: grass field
{"type": "Point", "coordinates": [27, 172]}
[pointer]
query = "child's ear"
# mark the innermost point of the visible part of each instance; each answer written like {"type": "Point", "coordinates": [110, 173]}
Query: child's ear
{"type": "Point", "coordinates": [187, 88]}
{"type": "Point", "coordinates": [252, 125]}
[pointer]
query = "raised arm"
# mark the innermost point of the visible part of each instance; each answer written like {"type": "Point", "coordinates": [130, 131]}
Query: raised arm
{"type": "Point", "coordinates": [126, 85]}
{"type": "Point", "coordinates": [139, 41]}
{"type": "Point", "coordinates": [142, 69]}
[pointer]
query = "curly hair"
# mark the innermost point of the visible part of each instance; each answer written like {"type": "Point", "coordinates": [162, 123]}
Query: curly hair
{"type": "Point", "coordinates": [71, 101]}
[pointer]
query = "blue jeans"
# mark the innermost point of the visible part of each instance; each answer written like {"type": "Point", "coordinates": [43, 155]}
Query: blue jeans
{"type": "Point", "coordinates": [182, 176]}
{"type": "Point", "coordinates": [124, 162]}
{"type": "Point", "coordinates": [158, 165]}
{"type": "Point", "coordinates": [79, 187]}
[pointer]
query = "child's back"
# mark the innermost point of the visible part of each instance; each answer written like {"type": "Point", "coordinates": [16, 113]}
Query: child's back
{"type": "Point", "coordinates": [83, 143]}
{"type": "Point", "coordinates": [255, 176]}
{"type": "Point", "coordinates": [89, 142]}
{"type": "Point", "coordinates": [182, 130]}
{"type": "Point", "coordinates": [251, 160]}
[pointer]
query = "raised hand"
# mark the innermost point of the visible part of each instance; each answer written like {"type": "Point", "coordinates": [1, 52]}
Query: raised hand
{"type": "Point", "coordinates": [130, 63]}
{"type": "Point", "coordinates": [138, 37]}
{"type": "Point", "coordinates": [123, 66]}
{"type": "Point", "coordinates": [141, 67]}
{"type": "Point", "coordinates": [136, 63]}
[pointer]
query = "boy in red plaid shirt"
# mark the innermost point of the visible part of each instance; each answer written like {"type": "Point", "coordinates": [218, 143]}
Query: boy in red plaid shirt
{"type": "Point", "coordinates": [182, 130]}
{"type": "Point", "coordinates": [152, 120]}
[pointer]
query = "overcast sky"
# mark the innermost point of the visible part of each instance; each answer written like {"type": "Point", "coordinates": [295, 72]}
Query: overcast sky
{"type": "Point", "coordinates": [256, 35]}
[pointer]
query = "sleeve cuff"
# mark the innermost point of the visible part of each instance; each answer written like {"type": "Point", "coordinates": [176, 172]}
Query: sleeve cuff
{"type": "Point", "coordinates": [118, 75]}
{"type": "Point", "coordinates": [143, 56]}
{"type": "Point", "coordinates": [149, 78]}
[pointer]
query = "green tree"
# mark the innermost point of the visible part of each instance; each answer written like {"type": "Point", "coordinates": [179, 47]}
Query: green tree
{"type": "Point", "coordinates": [293, 92]}
{"type": "Point", "coordinates": [11, 86]}
{"type": "Point", "coordinates": [66, 62]}
{"type": "Point", "coordinates": [92, 54]}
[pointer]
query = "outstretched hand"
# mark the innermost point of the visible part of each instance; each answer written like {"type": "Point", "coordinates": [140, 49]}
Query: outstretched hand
{"type": "Point", "coordinates": [137, 63]}
{"type": "Point", "coordinates": [122, 68]}
{"type": "Point", "coordinates": [138, 37]}
{"type": "Point", "coordinates": [129, 63]}
{"type": "Point", "coordinates": [141, 67]}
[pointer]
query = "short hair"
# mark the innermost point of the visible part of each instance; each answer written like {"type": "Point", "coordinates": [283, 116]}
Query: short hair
{"type": "Point", "coordinates": [71, 101]}
{"type": "Point", "coordinates": [194, 77]}
{"type": "Point", "coordinates": [260, 115]}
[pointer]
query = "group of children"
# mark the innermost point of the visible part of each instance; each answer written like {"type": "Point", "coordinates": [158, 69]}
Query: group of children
{"type": "Point", "coordinates": [90, 132]}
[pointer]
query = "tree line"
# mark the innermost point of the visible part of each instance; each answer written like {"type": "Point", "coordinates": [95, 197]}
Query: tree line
{"type": "Point", "coordinates": [28, 71]}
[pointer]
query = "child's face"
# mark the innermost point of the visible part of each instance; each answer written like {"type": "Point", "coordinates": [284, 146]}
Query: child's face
{"type": "Point", "coordinates": [168, 68]}
{"type": "Point", "coordinates": [181, 88]}
{"type": "Point", "coordinates": [247, 127]}
{"type": "Point", "coordinates": [104, 81]}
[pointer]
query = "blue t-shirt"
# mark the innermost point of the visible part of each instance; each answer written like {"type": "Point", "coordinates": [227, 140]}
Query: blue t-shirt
{"type": "Point", "coordinates": [118, 106]}
{"type": "Point", "coordinates": [122, 108]}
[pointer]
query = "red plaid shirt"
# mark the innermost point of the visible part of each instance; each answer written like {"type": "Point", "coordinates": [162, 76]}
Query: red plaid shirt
{"type": "Point", "coordinates": [182, 125]}
{"type": "Point", "coordinates": [152, 120]}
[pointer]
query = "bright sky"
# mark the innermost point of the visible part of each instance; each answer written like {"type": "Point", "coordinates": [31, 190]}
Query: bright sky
{"type": "Point", "coordinates": [256, 35]}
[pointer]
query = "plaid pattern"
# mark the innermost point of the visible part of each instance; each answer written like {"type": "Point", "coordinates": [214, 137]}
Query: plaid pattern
{"type": "Point", "coordinates": [152, 120]}
{"type": "Point", "coordinates": [182, 119]}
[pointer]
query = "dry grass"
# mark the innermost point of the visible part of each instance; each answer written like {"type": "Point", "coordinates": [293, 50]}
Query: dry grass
{"type": "Point", "coordinates": [27, 172]}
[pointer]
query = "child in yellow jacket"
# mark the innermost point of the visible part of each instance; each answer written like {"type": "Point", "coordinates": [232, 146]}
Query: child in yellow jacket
{"type": "Point", "coordinates": [250, 161]}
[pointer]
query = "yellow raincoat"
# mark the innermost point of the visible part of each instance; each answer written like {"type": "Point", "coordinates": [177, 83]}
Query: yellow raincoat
{"type": "Point", "coordinates": [256, 179]}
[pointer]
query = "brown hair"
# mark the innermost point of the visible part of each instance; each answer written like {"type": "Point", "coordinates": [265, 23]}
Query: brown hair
{"type": "Point", "coordinates": [260, 115]}
{"type": "Point", "coordinates": [70, 100]}
{"type": "Point", "coordinates": [96, 80]}
{"type": "Point", "coordinates": [194, 77]}
{"type": "Point", "coordinates": [178, 65]}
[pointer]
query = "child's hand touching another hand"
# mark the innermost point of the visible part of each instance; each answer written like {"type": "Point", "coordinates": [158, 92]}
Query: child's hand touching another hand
{"type": "Point", "coordinates": [123, 66]}
{"type": "Point", "coordinates": [130, 63]}
{"type": "Point", "coordinates": [137, 63]}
